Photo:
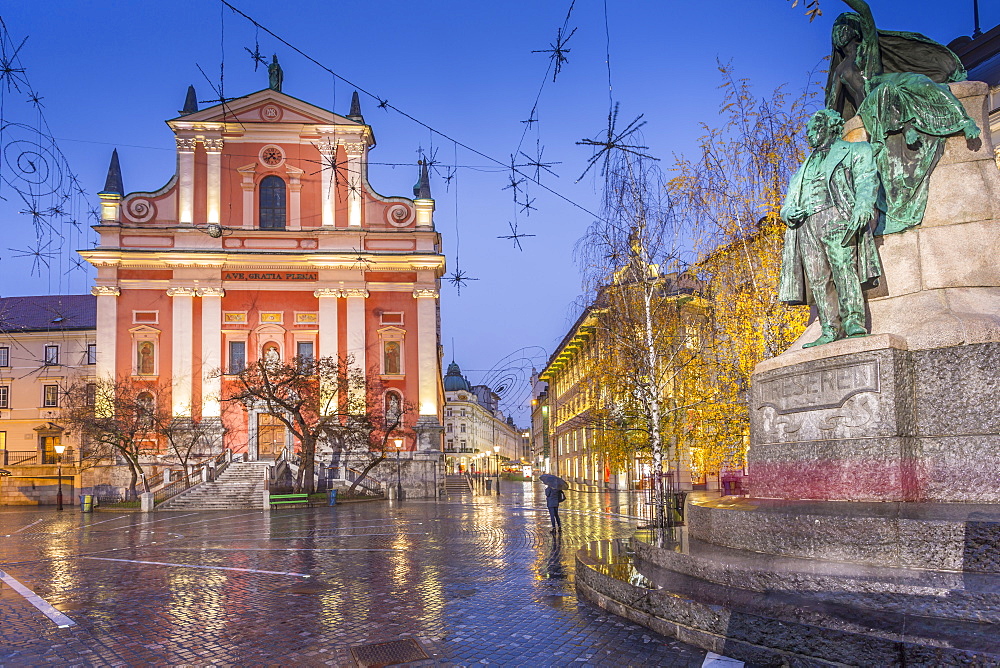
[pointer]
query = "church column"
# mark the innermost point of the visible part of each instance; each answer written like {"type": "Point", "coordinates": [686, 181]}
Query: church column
{"type": "Point", "coordinates": [328, 343]}
{"type": "Point", "coordinates": [355, 153]}
{"type": "Point", "coordinates": [181, 345]}
{"type": "Point", "coordinates": [328, 156]}
{"type": "Point", "coordinates": [247, 185]}
{"type": "Point", "coordinates": [294, 197]}
{"type": "Point", "coordinates": [107, 330]}
{"type": "Point", "coordinates": [185, 180]}
{"type": "Point", "coordinates": [214, 194]}
{"type": "Point", "coordinates": [427, 360]}
{"type": "Point", "coordinates": [211, 351]}
{"type": "Point", "coordinates": [356, 343]}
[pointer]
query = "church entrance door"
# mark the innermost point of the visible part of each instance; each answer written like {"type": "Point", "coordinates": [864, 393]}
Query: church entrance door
{"type": "Point", "coordinates": [270, 436]}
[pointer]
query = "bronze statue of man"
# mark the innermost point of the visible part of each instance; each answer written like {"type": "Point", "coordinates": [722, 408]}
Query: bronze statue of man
{"type": "Point", "coordinates": [829, 209]}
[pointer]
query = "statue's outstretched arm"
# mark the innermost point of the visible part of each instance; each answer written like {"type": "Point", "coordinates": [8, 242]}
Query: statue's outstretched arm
{"type": "Point", "coordinates": [869, 56]}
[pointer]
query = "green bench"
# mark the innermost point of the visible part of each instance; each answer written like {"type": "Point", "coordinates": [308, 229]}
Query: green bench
{"type": "Point", "coordinates": [280, 499]}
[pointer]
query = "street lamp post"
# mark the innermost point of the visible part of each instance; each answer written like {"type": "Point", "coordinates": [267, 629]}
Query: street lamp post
{"type": "Point", "coordinates": [496, 450]}
{"type": "Point", "coordinates": [59, 497]}
{"type": "Point", "coordinates": [399, 484]}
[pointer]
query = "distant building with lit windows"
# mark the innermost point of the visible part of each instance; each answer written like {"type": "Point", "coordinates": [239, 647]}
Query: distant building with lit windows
{"type": "Point", "coordinates": [474, 426]}
{"type": "Point", "coordinates": [47, 343]}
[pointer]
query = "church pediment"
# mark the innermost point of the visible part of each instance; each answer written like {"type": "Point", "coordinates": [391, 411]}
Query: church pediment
{"type": "Point", "coordinates": [264, 106]}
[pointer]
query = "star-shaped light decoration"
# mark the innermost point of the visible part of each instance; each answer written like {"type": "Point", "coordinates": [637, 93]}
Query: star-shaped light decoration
{"type": "Point", "coordinates": [526, 205]}
{"type": "Point", "coordinates": [9, 74]}
{"type": "Point", "coordinates": [557, 51]}
{"type": "Point", "coordinates": [328, 162]}
{"type": "Point", "coordinates": [539, 164]}
{"type": "Point", "coordinates": [459, 278]}
{"type": "Point", "coordinates": [360, 260]}
{"type": "Point", "coordinates": [515, 236]}
{"type": "Point", "coordinates": [614, 140]}
{"type": "Point", "coordinates": [258, 59]}
{"type": "Point", "coordinates": [383, 104]}
{"type": "Point", "coordinates": [39, 254]}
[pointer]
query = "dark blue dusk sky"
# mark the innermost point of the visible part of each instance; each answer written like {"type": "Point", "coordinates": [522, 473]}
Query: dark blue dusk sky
{"type": "Point", "coordinates": [110, 73]}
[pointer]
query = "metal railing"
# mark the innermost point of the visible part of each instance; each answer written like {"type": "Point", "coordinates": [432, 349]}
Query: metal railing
{"type": "Point", "coordinates": [367, 483]}
{"type": "Point", "coordinates": [13, 457]}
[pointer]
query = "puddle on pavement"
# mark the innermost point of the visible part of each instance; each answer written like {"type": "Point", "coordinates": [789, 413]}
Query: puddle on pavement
{"type": "Point", "coordinates": [557, 601]}
{"type": "Point", "coordinates": [68, 606]}
{"type": "Point", "coordinates": [304, 588]}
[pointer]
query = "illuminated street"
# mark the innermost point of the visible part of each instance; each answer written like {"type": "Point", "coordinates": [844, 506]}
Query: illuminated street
{"type": "Point", "coordinates": [471, 579]}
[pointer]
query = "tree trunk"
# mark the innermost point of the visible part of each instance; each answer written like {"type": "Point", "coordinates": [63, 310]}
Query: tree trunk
{"type": "Point", "coordinates": [308, 465]}
{"type": "Point", "coordinates": [364, 472]}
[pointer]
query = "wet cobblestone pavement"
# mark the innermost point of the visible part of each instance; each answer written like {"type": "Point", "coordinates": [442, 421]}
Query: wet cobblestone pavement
{"type": "Point", "coordinates": [474, 580]}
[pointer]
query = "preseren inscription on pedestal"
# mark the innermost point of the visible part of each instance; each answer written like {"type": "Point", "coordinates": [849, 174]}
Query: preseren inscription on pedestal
{"type": "Point", "coordinates": [829, 387]}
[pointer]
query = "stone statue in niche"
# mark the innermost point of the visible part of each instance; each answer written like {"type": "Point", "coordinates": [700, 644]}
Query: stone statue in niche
{"type": "Point", "coordinates": [275, 75]}
{"type": "Point", "coordinates": [829, 249]}
{"type": "Point", "coordinates": [897, 83]}
{"type": "Point", "coordinates": [271, 354]}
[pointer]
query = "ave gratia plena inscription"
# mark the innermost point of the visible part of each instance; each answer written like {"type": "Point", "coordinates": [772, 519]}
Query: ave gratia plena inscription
{"type": "Point", "coordinates": [822, 388]}
{"type": "Point", "coordinates": [270, 276]}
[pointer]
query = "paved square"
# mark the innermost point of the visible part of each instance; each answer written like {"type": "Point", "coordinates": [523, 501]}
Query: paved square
{"type": "Point", "coordinates": [473, 580]}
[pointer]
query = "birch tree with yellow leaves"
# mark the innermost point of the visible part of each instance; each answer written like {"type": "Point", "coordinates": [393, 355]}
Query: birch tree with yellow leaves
{"type": "Point", "coordinates": [730, 194]}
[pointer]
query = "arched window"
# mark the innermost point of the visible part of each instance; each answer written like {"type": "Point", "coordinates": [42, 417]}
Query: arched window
{"type": "Point", "coordinates": [272, 203]}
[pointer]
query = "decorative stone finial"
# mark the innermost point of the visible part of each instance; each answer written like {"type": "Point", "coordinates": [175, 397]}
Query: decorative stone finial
{"type": "Point", "coordinates": [190, 102]}
{"type": "Point", "coordinates": [355, 114]}
{"type": "Point", "coordinates": [422, 188]}
{"type": "Point", "coordinates": [113, 184]}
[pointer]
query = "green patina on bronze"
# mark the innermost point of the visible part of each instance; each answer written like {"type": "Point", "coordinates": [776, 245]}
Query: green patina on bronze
{"type": "Point", "coordinates": [897, 83]}
{"type": "Point", "coordinates": [829, 253]}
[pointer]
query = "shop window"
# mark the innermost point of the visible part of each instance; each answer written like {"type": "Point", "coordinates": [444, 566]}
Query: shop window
{"type": "Point", "coordinates": [237, 356]}
{"type": "Point", "coordinates": [272, 203]}
{"type": "Point", "coordinates": [145, 358]}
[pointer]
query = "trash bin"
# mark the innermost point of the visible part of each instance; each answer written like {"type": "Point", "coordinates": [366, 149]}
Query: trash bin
{"type": "Point", "coordinates": [331, 497]}
{"type": "Point", "coordinates": [86, 503]}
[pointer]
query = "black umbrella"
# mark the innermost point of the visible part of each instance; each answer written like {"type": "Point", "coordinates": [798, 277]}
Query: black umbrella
{"type": "Point", "coordinates": [553, 481]}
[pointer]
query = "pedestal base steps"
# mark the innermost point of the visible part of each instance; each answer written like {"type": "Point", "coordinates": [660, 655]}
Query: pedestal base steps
{"type": "Point", "coordinates": [753, 604]}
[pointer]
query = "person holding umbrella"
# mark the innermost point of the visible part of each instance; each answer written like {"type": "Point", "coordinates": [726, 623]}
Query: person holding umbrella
{"type": "Point", "coordinates": [554, 495]}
